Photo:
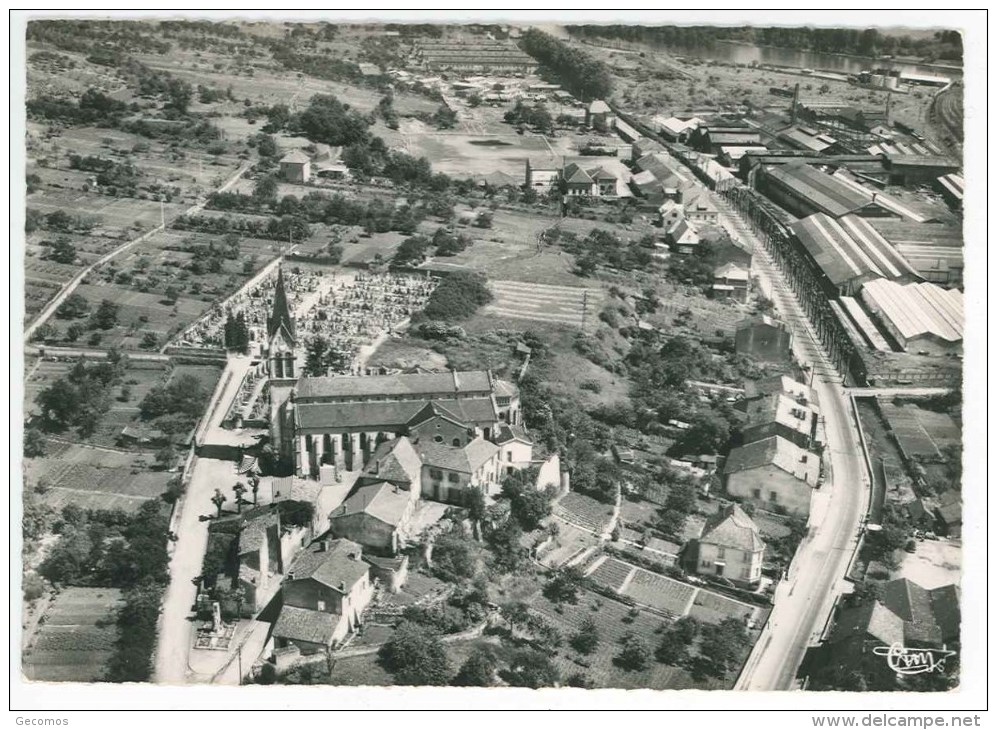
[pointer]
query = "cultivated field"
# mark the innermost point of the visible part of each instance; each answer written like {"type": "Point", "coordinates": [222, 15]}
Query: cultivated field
{"type": "Point", "coordinates": [920, 433]}
{"type": "Point", "coordinates": [584, 512]}
{"type": "Point", "coordinates": [571, 306]}
{"type": "Point", "coordinates": [75, 637]}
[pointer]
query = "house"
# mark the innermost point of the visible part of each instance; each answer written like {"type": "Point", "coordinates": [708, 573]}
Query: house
{"type": "Point", "coordinates": [435, 423]}
{"type": "Point", "coordinates": [699, 208]}
{"type": "Point", "coordinates": [773, 473]}
{"type": "Point", "coordinates": [295, 167]}
{"type": "Point", "coordinates": [730, 547]}
{"type": "Point", "coordinates": [368, 70]}
{"type": "Point", "coordinates": [904, 614]}
{"type": "Point", "coordinates": [764, 338]}
{"type": "Point", "coordinates": [731, 282]}
{"type": "Point", "coordinates": [726, 249]}
{"type": "Point", "coordinates": [395, 462]}
{"type": "Point", "coordinates": [777, 414]}
{"type": "Point", "coordinates": [599, 114]}
{"type": "Point", "coordinates": [449, 472]}
{"type": "Point", "coordinates": [675, 129]}
{"type": "Point", "coordinates": [515, 449]}
{"type": "Point", "coordinates": [669, 214]}
{"type": "Point", "coordinates": [683, 237]}
{"type": "Point", "coordinates": [645, 146]}
{"type": "Point", "coordinates": [784, 384]}
{"type": "Point", "coordinates": [575, 181]}
{"type": "Point", "coordinates": [377, 516]}
{"type": "Point", "coordinates": [259, 551]}
{"type": "Point", "coordinates": [542, 174]}
{"type": "Point", "coordinates": [389, 572]}
{"type": "Point", "coordinates": [326, 591]}
{"type": "Point", "coordinates": [142, 436]}
{"type": "Point", "coordinates": [949, 512]}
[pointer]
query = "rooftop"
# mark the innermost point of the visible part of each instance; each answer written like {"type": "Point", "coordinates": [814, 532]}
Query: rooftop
{"type": "Point", "coordinates": [337, 565]}
{"type": "Point", "coordinates": [849, 248]}
{"type": "Point", "coordinates": [466, 459]}
{"type": "Point", "coordinates": [731, 527]}
{"type": "Point", "coordinates": [383, 501]}
{"type": "Point", "coordinates": [303, 624]}
{"type": "Point", "coordinates": [394, 461]}
{"type": "Point", "coordinates": [779, 384]}
{"type": "Point", "coordinates": [917, 309]}
{"type": "Point", "coordinates": [296, 157]}
{"type": "Point", "coordinates": [375, 414]}
{"type": "Point", "coordinates": [345, 387]}
{"type": "Point", "coordinates": [781, 409]}
{"type": "Point", "coordinates": [822, 191]}
{"type": "Point", "coordinates": [775, 451]}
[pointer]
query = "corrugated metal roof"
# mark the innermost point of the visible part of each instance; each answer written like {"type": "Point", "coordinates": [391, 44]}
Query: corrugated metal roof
{"type": "Point", "coordinates": [916, 310]}
{"type": "Point", "coordinates": [849, 248]}
{"type": "Point", "coordinates": [822, 191]}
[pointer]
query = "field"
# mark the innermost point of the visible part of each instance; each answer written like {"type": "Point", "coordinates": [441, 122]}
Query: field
{"type": "Point", "coordinates": [75, 637]}
{"type": "Point", "coordinates": [921, 434]}
{"type": "Point", "coordinates": [615, 620]}
{"type": "Point", "coordinates": [584, 512]}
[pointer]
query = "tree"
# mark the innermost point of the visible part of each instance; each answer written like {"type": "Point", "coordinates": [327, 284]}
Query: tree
{"type": "Point", "coordinates": [587, 638]}
{"type": "Point", "coordinates": [635, 654]}
{"type": "Point", "coordinates": [483, 219]}
{"type": "Point", "coordinates": [165, 457]}
{"type": "Point", "coordinates": [478, 670]}
{"type": "Point", "coordinates": [219, 499]}
{"type": "Point", "coordinates": [172, 293]}
{"type": "Point", "coordinates": [73, 307]}
{"type": "Point", "coordinates": [266, 189]}
{"type": "Point", "coordinates": [149, 341]}
{"type": "Point", "coordinates": [106, 315]}
{"type": "Point", "coordinates": [672, 522]}
{"type": "Point", "coordinates": [34, 443]}
{"type": "Point", "coordinates": [530, 507]}
{"type": "Point", "coordinates": [475, 504]}
{"type": "Point", "coordinates": [179, 93]}
{"type": "Point", "coordinates": [411, 251]}
{"type": "Point", "coordinates": [563, 586]}
{"type": "Point", "coordinates": [722, 644]}
{"type": "Point", "coordinates": [239, 489]}
{"type": "Point", "coordinates": [62, 251]}
{"type": "Point", "coordinates": [415, 656]}
{"type": "Point", "coordinates": [533, 669]}
{"type": "Point", "coordinates": [457, 296]}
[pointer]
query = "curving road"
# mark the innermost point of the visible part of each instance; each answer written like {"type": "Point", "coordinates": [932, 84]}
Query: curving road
{"type": "Point", "coordinates": [804, 601]}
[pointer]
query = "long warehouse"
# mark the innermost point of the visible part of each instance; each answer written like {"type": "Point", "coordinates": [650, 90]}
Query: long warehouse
{"type": "Point", "coordinates": [921, 317]}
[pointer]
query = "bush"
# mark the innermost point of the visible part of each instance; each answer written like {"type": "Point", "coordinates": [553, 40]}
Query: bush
{"type": "Point", "coordinates": [458, 296]}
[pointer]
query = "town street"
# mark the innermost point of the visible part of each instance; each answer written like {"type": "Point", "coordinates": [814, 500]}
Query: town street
{"type": "Point", "coordinates": [803, 602]}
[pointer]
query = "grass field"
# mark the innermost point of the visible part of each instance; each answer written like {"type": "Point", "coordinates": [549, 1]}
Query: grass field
{"type": "Point", "coordinates": [572, 306]}
{"type": "Point", "coordinates": [75, 637]}
{"type": "Point", "coordinates": [614, 621]}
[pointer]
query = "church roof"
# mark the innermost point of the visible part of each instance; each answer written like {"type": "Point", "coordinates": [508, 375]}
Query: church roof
{"type": "Point", "coordinates": [280, 317]}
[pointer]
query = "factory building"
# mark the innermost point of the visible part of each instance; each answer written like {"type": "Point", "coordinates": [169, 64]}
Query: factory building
{"type": "Point", "coordinates": [921, 318]}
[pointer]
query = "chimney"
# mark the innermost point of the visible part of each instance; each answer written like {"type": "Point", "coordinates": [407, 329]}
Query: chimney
{"type": "Point", "coordinates": [342, 586]}
{"type": "Point", "coordinates": [290, 575]}
{"type": "Point", "coordinates": [456, 381]}
{"type": "Point", "coordinates": [889, 101]}
{"type": "Point", "coordinates": [323, 546]}
{"type": "Point", "coordinates": [796, 100]}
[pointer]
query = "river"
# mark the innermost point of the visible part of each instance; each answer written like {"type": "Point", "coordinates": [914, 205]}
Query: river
{"type": "Point", "coordinates": [747, 53]}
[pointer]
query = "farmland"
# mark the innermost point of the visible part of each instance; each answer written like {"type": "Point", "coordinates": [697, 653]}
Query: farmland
{"type": "Point", "coordinates": [75, 638]}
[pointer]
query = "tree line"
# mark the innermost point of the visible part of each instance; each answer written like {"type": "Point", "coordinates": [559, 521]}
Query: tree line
{"type": "Point", "coordinates": [582, 75]}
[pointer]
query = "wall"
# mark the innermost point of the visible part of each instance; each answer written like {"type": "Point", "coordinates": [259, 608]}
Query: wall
{"type": "Point", "coordinates": [773, 428]}
{"type": "Point", "coordinates": [364, 529]}
{"type": "Point", "coordinates": [550, 472]}
{"type": "Point", "coordinates": [736, 563]}
{"type": "Point", "coordinates": [521, 455]}
{"type": "Point", "coordinates": [791, 493]}
{"type": "Point", "coordinates": [446, 430]}
{"type": "Point", "coordinates": [771, 344]}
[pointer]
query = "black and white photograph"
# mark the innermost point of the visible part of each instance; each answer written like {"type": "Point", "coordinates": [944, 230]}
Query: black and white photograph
{"type": "Point", "coordinates": [522, 359]}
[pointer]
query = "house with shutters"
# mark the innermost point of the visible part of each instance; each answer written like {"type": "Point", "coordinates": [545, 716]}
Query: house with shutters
{"type": "Point", "coordinates": [449, 472]}
{"type": "Point", "coordinates": [729, 546]}
{"type": "Point", "coordinates": [324, 595]}
{"type": "Point", "coordinates": [377, 516]}
{"type": "Point", "coordinates": [773, 473]}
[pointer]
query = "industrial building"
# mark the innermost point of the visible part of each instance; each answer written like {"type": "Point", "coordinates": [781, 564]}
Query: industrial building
{"type": "Point", "coordinates": [918, 169]}
{"type": "Point", "coordinates": [712, 139]}
{"type": "Point", "coordinates": [867, 166]}
{"type": "Point", "coordinates": [935, 250]}
{"type": "Point", "coordinates": [953, 189]}
{"type": "Point", "coordinates": [479, 56]}
{"type": "Point", "coordinates": [848, 252]}
{"type": "Point", "coordinates": [922, 318]}
{"type": "Point", "coordinates": [803, 190]}
{"type": "Point", "coordinates": [809, 139]}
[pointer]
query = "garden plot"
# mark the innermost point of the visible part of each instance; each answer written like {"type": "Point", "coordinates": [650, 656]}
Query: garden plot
{"type": "Point", "coordinates": [660, 592]}
{"type": "Point", "coordinates": [611, 573]}
{"type": "Point", "coordinates": [714, 608]}
{"type": "Point", "coordinates": [123, 214]}
{"type": "Point", "coordinates": [615, 620]}
{"type": "Point", "coordinates": [585, 512]}
{"type": "Point", "coordinates": [572, 306]}
{"type": "Point", "coordinates": [75, 637]}
{"type": "Point", "coordinates": [921, 434]}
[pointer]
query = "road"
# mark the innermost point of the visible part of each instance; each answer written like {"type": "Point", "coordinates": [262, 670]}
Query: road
{"type": "Point", "coordinates": [192, 539]}
{"type": "Point", "coordinates": [804, 601]}
{"type": "Point", "coordinates": [49, 309]}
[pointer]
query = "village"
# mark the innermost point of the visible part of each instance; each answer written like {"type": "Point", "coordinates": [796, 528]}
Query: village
{"type": "Point", "coordinates": [464, 363]}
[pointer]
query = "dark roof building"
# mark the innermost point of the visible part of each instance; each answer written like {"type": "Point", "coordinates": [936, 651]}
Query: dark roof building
{"type": "Point", "coordinates": [804, 190]}
{"type": "Point", "coordinates": [848, 251]}
{"type": "Point", "coordinates": [403, 386]}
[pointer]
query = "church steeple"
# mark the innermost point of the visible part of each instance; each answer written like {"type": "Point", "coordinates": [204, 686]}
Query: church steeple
{"type": "Point", "coordinates": [280, 317]}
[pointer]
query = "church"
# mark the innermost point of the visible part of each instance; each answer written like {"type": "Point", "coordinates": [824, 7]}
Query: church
{"type": "Point", "coordinates": [468, 421]}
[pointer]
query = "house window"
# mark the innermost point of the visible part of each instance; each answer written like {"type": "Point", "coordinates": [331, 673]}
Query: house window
{"type": "Point", "coordinates": [756, 493]}
{"type": "Point", "coordinates": [438, 439]}
{"type": "Point", "coordinates": [773, 497]}
{"type": "Point", "coordinates": [746, 573]}
{"type": "Point", "coordinates": [453, 477]}
{"type": "Point", "coordinates": [721, 552]}
{"type": "Point", "coordinates": [436, 474]}
{"type": "Point", "coordinates": [456, 442]}
{"type": "Point", "coordinates": [508, 456]}
{"type": "Point", "coordinates": [321, 605]}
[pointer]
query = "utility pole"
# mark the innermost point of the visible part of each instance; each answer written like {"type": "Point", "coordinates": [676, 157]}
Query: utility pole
{"type": "Point", "coordinates": [585, 306]}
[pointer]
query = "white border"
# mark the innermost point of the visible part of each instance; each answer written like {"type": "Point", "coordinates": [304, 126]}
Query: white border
{"type": "Point", "coordinates": [41, 700]}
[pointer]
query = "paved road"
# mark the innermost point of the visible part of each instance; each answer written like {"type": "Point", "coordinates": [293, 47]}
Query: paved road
{"type": "Point", "coordinates": [70, 286]}
{"type": "Point", "coordinates": [803, 602]}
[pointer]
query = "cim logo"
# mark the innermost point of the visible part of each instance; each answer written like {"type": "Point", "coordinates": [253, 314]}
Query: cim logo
{"type": "Point", "coordinates": [906, 661]}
